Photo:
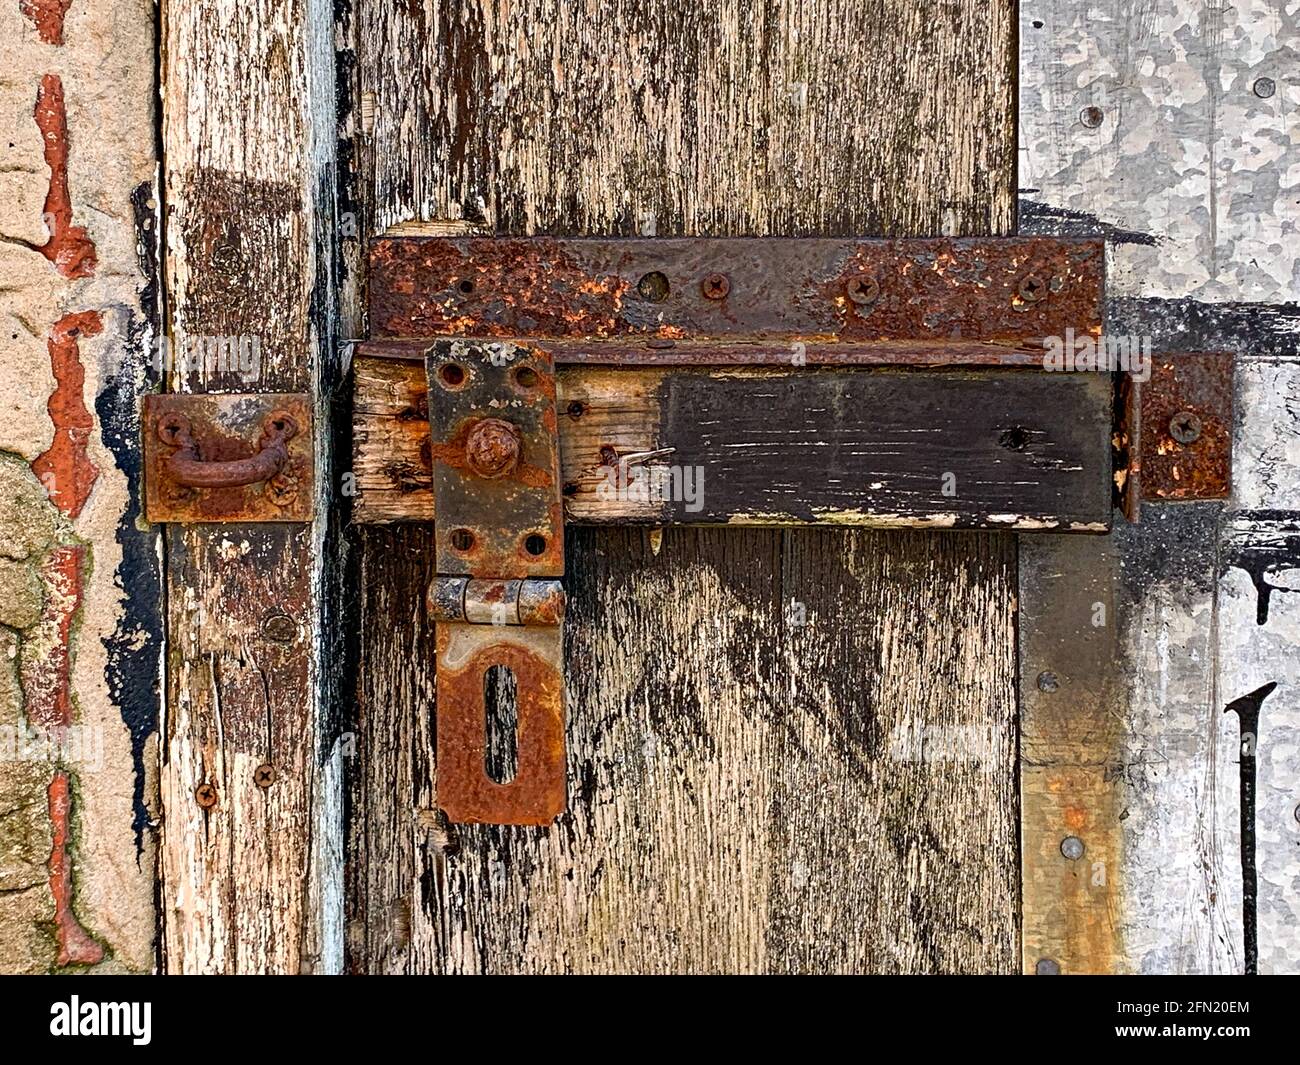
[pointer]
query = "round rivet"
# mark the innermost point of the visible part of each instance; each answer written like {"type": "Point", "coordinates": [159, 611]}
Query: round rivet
{"type": "Point", "coordinates": [1072, 848]}
{"type": "Point", "coordinates": [1048, 681]}
{"type": "Point", "coordinates": [1264, 88]}
{"type": "Point", "coordinates": [1091, 116]}
{"type": "Point", "coordinates": [493, 448]}
{"type": "Point", "coordinates": [1047, 967]}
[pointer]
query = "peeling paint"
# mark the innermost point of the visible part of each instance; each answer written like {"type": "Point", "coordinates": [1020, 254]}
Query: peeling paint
{"type": "Point", "coordinates": [69, 247]}
{"type": "Point", "coordinates": [64, 469]}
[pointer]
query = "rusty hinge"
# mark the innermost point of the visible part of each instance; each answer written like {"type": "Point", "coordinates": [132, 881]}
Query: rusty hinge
{"type": "Point", "coordinates": [497, 602]}
{"type": "Point", "coordinates": [228, 458]}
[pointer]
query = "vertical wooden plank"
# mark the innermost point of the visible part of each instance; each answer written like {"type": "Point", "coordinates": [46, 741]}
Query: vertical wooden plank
{"type": "Point", "coordinates": [247, 131]}
{"type": "Point", "coordinates": [904, 858]}
{"type": "Point", "coordinates": [731, 780]}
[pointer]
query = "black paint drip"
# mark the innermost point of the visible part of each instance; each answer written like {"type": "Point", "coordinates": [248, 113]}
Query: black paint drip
{"type": "Point", "coordinates": [1247, 710]}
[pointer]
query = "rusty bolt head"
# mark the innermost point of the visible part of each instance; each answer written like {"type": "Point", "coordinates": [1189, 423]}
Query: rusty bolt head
{"type": "Point", "coordinates": [577, 409]}
{"type": "Point", "coordinates": [1091, 116]}
{"type": "Point", "coordinates": [264, 775]}
{"type": "Point", "coordinates": [1048, 681]}
{"type": "Point", "coordinates": [206, 796]}
{"type": "Point", "coordinates": [492, 448]}
{"type": "Point", "coordinates": [279, 627]}
{"type": "Point", "coordinates": [715, 286]}
{"type": "Point", "coordinates": [1185, 427]}
{"type": "Point", "coordinates": [282, 489]}
{"type": "Point", "coordinates": [863, 289]}
{"type": "Point", "coordinates": [1032, 288]}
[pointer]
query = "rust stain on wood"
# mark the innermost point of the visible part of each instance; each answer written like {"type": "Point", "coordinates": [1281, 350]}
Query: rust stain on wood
{"type": "Point", "coordinates": [1071, 776]}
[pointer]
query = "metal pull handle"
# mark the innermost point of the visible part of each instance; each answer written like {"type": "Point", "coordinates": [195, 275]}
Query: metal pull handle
{"type": "Point", "coordinates": [187, 468]}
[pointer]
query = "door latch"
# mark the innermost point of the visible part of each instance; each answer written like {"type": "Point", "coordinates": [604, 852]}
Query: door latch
{"type": "Point", "coordinates": [885, 382]}
{"type": "Point", "coordinates": [497, 601]}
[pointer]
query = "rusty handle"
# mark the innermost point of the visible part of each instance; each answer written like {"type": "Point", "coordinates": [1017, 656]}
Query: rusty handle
{"type": "Point", "coordinates": [187, 468]}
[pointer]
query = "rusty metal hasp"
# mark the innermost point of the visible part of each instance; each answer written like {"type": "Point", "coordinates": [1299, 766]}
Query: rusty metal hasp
{"type": "Point", "coordinates": [228, 458]}
{"type": "Point", "coordinates": [497, 600]}
{"type": "Point", "coordinates": [491, 318]}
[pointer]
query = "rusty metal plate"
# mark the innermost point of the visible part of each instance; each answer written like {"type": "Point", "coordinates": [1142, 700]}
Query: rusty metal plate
{"type": "Point", "coordinates": [995, 291]}
{"type": "Point", "coordinates": [535, 795]}
{"type": "Point", "coordinates": [228, 458]}
{"type": "Point", "coordinates": [496, 472]}
{"type": "Point", "coordinates": [1182, 435]}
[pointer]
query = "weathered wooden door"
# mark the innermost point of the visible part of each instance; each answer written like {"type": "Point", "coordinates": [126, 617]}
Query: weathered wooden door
{"type": "Point", "coordinates": [733, 805]}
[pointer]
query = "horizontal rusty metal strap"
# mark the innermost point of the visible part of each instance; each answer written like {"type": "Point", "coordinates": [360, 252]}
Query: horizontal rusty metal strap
{"type": "Point", "coordinates": [740, 351]}
{"type": "Point", "coordinates": [940, 289]}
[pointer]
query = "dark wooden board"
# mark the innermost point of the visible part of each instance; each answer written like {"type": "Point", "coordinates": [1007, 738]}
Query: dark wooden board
{"type": "Point", "coordinates": [1025, 449]}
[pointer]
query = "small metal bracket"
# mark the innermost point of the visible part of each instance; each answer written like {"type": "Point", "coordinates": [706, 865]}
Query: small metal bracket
{"type": "Point", "coordinates": [1175, 432]}
{"type": "Point", "coordinates": [228, 458]}
{"type": "Point", "coordinates": [499, 551]}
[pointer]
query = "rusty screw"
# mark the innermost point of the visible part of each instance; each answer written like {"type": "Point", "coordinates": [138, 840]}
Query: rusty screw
{"type": "Point", "coordinates": [279, 627]}
{"type": "Point", "coordinates": [715, 287]}
{"type": "Point", "coordinates": [492, 449]}
{"type": "Point", "coordinates": [1185, 427]}
{"type": "Point", "coordinates": [206, 796]}
{"type": "Point", "coordinates": [1091, 116]}
{"type": "Point", "coordinates": [282, 489]}
{"type": "Point", "coordinates": [863, 289]}
{"type": "Point", "coordinates": [264, 775]}
{"type": "Point", "coordinates": [1032, 288]}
